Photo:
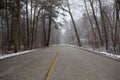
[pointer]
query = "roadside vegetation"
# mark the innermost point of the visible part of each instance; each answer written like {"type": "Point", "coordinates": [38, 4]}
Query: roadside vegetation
{"type": "Point", "coordinates": [28, 24]}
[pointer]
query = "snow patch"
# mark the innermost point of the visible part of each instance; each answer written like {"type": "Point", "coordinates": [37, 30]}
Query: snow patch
{"type": "Point", "coordinates": [15, 54]}
{"type": "Point", "coordinates": [111, 55]}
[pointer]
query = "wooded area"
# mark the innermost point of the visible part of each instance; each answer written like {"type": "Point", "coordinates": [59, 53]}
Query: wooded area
{"type": "Point", "coordinates": [106, 27]}
{"type": "Point", "coordinates": [27, 24]}
{"type": "Point", "coordinates": [99, 26]}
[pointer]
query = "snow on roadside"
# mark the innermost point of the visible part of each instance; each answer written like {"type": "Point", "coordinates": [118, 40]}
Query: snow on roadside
{"type": "Point", "coordinates": [15, 54]}
{"type": "Point", "coordinates": [111, 55]}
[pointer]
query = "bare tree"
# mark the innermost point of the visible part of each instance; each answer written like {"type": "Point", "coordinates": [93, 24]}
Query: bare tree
{"type": "Point", "coordinates": [91, 24]}
{"type": "Point", "coordinates": [103, 25]}
{"type": "Point", "coordinates": [17, 24]}
{"type": "Point", "coordinates": [74, 25]}
{"type": "Point", "coordinates": [96, 22]}
{"type": "Point", "coordinates": [28, 29]}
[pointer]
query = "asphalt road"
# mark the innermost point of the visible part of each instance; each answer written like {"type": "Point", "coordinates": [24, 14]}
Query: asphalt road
{"type": "Point", "coordinates": [70, 64]}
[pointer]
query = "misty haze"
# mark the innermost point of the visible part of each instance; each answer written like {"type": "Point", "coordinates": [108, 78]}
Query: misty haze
{"type": "Point", "coordinates": [59, 40]}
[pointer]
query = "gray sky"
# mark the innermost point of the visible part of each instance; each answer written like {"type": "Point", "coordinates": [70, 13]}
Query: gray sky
{"type": "Point", "coordinates": [77, 7]}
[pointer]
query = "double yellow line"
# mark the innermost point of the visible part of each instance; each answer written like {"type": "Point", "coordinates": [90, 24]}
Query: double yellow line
{"type": "Point", "coordinates": [50, 70]}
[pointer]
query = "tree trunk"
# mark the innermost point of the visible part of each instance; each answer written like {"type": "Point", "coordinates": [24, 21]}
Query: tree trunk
{"type": "Point", "coordinates": [33, 29]}
{"type": "Point", "coordinates": [44, 31]}
{"type": "Point", "coordinates": [103, 25]}
{"type": "Point", "coordinates": [49, 29]}
{"type": "Point", "coordinates": [17, 24]}
{"type": "Point", "coordinates": [91, 24]}
{"type": "Point", "coordinates": [74, 25]}
{"type": "Point", "coordinates": [96, 22]}
{"type": "Point", "coordinates": [2, 34]}
{"type": "Point", "coordinates": [7, 25]}
{"type": "Point", "coordinates": [28, 35]}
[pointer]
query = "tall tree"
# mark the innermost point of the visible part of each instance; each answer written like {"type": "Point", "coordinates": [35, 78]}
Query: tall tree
{"type": "Point", "coordinates": [74, 25]}
{"type": "Point", "coordinates": [91, 24]}
{"type": "Point", "coordinates": [103, 25]}
{"type": "Point", "coordinates": [27, 22]}
{"type": "Point", "coordinates": [33, 25]}
{"type": "Point", "coordinates": [17, 25]}
{"type": "Point", "coordinates": [96, 22]}
{"type": "Point", "coordinates": [50, 21]}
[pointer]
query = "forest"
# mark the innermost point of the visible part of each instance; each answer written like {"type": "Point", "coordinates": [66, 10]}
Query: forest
{"type": "Point", "coordinates": [29, 24]}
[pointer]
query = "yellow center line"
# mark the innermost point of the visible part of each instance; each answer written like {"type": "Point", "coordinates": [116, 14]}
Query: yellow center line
{"type": "Point", "coordinates": [50, 70]}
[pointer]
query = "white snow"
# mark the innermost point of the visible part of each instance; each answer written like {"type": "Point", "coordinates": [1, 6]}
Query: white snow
{"type": "Point", "coordinates": [15, 54]}
{"type": "Point", "coordinates": [111, 55]}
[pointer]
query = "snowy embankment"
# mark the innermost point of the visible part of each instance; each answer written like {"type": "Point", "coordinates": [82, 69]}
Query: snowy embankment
{"type": "Point", "coordinates": [15, 54]}
{"type": "Point", "coordinates": [111, 55]}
